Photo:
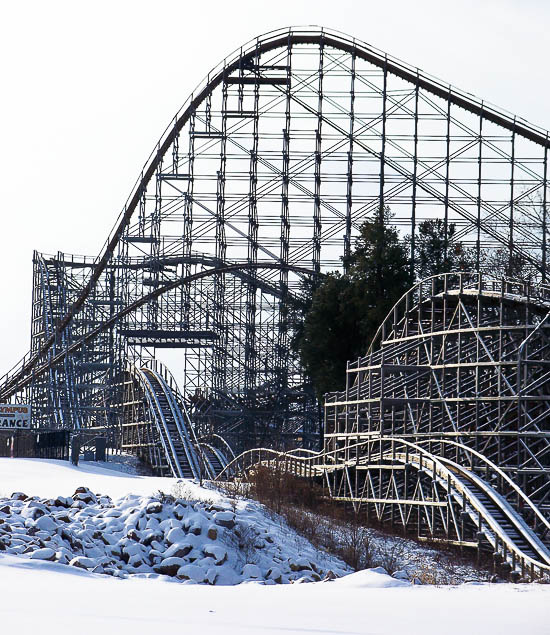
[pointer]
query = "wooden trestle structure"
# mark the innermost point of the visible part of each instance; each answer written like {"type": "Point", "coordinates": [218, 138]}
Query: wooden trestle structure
{"type": "Point", "coordinates": [443, 427]}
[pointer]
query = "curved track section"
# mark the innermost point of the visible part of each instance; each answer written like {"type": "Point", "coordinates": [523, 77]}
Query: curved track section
{"type": "Point", "coordinates": [463, 358]}
{"type": "Point", "coordinates": [404, 484]}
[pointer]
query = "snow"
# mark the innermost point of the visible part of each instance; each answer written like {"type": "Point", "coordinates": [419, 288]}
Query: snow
{"type": "Point", "coordinates": [66, 600]}
{"type": "Point", "coordinates": [30, 477]}
{"type": "Point", "coordinates": [40, 595]}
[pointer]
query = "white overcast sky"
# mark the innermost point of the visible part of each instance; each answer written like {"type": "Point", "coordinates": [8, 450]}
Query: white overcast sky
{"type": "Point", "coordinates": [88, 87]}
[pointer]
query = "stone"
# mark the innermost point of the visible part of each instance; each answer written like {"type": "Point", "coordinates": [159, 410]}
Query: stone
{"type": "Point", "coordinates": [178, 550]}
{"type": "Point", "coordinates": [32, 512]}
{"type": "Point", "coordinates": [252, 572]}
{"type": "Point", "coordinates": [192, 572]}
{"type": "Point", "coordinates": [217, 553]}
{"type": "Point", "coordinates": [5, 509]}
{"type": "Point", "coordinates": [18, 496]}
{"type": "Point", "coordinates": [211, 575]}
{"type": "Point", "coordinates": [155, 507]}
{"type": "Point", "coordinates": [81, 562]}
{"type": "Point", "coordinates": [62, 558]}
{"type": "Point", "coordinates": [61, 501]}
{"type": "Point", "coordinates": [212, 533]}
{"type": "Point", "coordinates": [151, 535]}
{"type": "Point", "coordinates": [180, 512]}
{"type": "Point", "coordinates": [275, 574]}
{"type": "Point", "coordinates": [175, 535]}
{"type": "Point", "coordinates": [169, 566]}
{"type": "Point", "coordinates": [43, 554]}
{"type": "Point", "coordinates": [227, 577]}
{"type": "Point", "coordinates": [300, 564]}
{"type": "Point", "coordinates": [45, 523]}
{"type": "Point", "coordinates": [84, 495]}
{"type": "Point", "coordinates": [225, 519]}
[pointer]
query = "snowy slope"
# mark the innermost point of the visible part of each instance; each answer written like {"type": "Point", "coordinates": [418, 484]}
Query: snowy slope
{"type": "Point", "coordinates": [196, 536]}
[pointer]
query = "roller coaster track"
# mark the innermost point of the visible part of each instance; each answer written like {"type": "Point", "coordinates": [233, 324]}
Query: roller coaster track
{"type": "Point", "coordinates": [456, 504]}
{"type": "Point", "coordinates": [20, 379]}
{"type": "Point", "coordinates": [461, 356]}
{"type": "Point", "coordinates": [185, 456]}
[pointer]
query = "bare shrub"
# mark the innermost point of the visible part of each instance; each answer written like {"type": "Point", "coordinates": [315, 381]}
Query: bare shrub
{"type": "Point", "coordinates": [247, 536]}
{"type": "Point", "coordinates": [391, 553]}
{"type": "Point", "coordinates": [302, 521]}
{"type": "Point", "coordinates": [163, 497]}
{"type": "Point", "coordinates": [184, 491]}
{"type": "Point", "coordinates": [235, 491]}
{"type": "Point", "coordinates": [356, 547]}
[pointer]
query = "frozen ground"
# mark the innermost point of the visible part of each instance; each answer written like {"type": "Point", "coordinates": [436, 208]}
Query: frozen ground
{"type": "Point", "coordinates": [44, 596]}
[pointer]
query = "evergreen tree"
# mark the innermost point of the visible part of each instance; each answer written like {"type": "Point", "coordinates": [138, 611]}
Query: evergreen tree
{"type": "Point", "coordinates": [346, 310]}
{"type": "Point", "coordinates": [436, 253]}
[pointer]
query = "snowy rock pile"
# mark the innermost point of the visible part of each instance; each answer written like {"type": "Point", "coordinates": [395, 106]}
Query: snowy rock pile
{"type": "Point", "coordinates": [190, 541]}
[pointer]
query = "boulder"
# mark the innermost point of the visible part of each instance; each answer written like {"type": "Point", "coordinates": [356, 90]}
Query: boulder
{"type": "Point", "coordinates": [225, 519]}
{"type": "Point", "coordinates": [61, 501]}
{"type": "Point", "coordinates": [275, 574]}
{"type": "Point", "coordinates": [212, 533]}
{"type": "Point", "coordinates": [178, 550]}
{"type": "Point", "coordinates": [192, 572]}
{"type": "Point", "coordinates": [43, 554]}
{"type": "Point", "coordinates": [151, 535]}
{"type": "Point", "coordinates": [227, 577]}
{"type": "Point", "coordinates": [217, 553]}
{"type": "Point", "coordinates": [175, 535]}
{"type": "Point", "coordinates": [45, 523]}
{"type": "Point", "coordinates": [169, 566]}
{"type": "Point", "coordinates": [81, 562]}
{"type": "Point", "coordinates": [155, 507]}
{"type": "Point", "coordinates": [179, 512]}
{"type": "Point", "coordinates": [32, 512]}
{"type": "Point", "coordinates": [252, 572]}
{"type": "Point", "coordinates": [300, 564]}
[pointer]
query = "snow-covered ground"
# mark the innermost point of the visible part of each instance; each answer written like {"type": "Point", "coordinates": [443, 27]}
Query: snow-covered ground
{"type": "Point", "coordinates": [39, 595]}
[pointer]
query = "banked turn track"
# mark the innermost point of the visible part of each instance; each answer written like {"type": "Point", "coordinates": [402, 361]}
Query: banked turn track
{"type": "Point", "coordinates": [443, 427]}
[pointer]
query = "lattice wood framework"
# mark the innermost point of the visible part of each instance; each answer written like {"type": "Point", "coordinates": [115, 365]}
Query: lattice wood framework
{"type": "Point", "coordinates": [278, 157]}
{"type": "Point", "coordinates": [461, 367]}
